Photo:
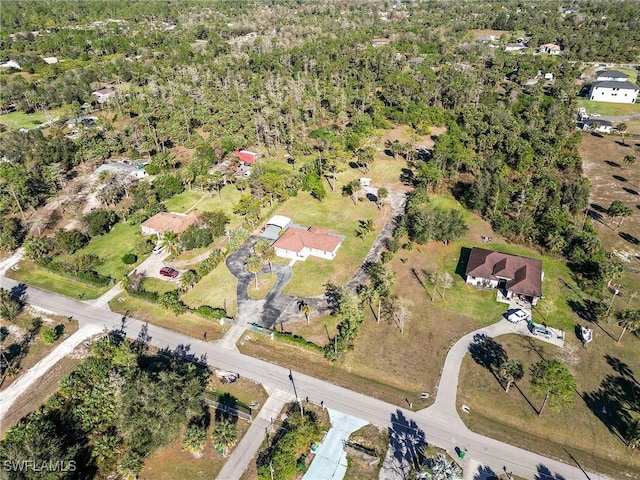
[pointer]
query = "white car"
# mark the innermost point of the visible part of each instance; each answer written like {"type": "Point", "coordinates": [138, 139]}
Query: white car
{"type": "Point", "coordinates": [158, 249]}
{"type": "Point", "coordinates": [518, 316]}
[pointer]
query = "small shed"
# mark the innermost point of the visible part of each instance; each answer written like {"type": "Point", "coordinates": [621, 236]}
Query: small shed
{"type": "Point", "coordinates": [365, 182]}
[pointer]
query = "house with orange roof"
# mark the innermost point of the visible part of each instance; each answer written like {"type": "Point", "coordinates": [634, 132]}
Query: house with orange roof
{"type": "Point", "coordinates": [299, 242]}
{"type": "Point", "coordinates": [164, 222]}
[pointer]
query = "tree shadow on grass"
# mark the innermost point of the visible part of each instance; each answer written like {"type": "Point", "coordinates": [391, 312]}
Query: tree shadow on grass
{"type": "Point", "coordinates": [619, 178]}
{"type": "Point", "coordinates": [406, 439]}
{"type": "Point", "coordinates": [630, 191]}
{"type": "Point", "coordinates": [586, 310]}
{"type": "Point", "coordinates": [620, 367]}
{"type": "Point", "coordinates": [612, 163]}
{"type": "Point", "coordinates": [487, 353]}
{"type": "Point", "coordinates": [629, 238]}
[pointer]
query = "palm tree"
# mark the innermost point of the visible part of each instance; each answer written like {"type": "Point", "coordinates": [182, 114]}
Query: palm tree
{"type": "Point", "coordinates": [261, 246]}
{"type": "Point", "coordinates": [269, 256]}
{"type": "Point", "coordinates": [306, 309]}
{"type": "Point", "coordinates": [254, 265]}
{"type": "Point", "coordinates": [383, 193]}
{"type": "Point", "coordinates": [628, 320]}
{"type": "Point", "coordinates": [510, 371]}
{"type": "Point", "coordinates": [629, 160]}
{"type": "Point", "coordinates": [622, 129]}
{"type": "Point", "coordinates": [225, 435]}
{"type": "Point", "coordinates": [188, 279]}
{"type": "Point", "coordinates": [170, 242]}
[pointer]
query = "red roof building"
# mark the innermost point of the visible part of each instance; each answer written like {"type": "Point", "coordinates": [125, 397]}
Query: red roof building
{"type": "Point", "coordinates": [299, 243]}
{"type": "Point", "coordinates": [245, 156]}
{"type": "Point", "coordinates": [512, 273]}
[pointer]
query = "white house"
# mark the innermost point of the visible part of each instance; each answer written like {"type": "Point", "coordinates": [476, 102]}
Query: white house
{"type": "Point", "coordinates": [550, 49]}
{"type": "Point", "coordinates": [596, 125]}
{"type": "Point", "coordinates": [298, 243]}
{"type": "Point", "coordinates": [104, 94]}
{"type": "Point", "coordinates": [611, 76]}
{"type": "Point", "coordinates": [514, 47]}
{"type": "Point", "coordinates": [614, 92]}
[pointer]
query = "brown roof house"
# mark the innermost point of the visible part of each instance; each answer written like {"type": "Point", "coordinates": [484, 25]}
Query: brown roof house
{"type": "Point", "coordinates": [168, 222]}
{"type": "Point", "coordinates": [513, 274]}
{"type": "Point", "coordinates": [299, 242]}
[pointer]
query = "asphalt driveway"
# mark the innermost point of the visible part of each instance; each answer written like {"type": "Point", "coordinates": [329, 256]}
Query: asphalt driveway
{"type": "Point", "coordinates": [266, 311]}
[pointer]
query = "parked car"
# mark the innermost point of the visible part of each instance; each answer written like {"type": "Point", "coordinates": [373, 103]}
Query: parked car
{"type": "Point", "coordinates": [518, 316]}
{"type": "Point", "coordinates": [158, 249]}
{"type": "Point", "coordinates": [542, 331]}
{"type": "Point", "coordinates": [168, 272]}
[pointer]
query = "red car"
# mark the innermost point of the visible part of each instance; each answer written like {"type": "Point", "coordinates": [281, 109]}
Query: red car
{"type": "Point", "coordinates": [168, 272]}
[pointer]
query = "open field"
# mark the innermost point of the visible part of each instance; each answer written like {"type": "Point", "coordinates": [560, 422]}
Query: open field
{"type": "Point", "coordinates": [187, 323]}
{"type": "Point", "coordinates": [112, 246]}
{"type": "Point", "coordinates": [218, 289]}
{"type": "Point", "coordinates": [30, 274]}
{"type": "Point", "coordinates": [609, 109]}
{"type": "Point", "coordinates": [340, 215]}
{"type": "Point", "coordinates": [242, 390]}
{"type": "Point", "coordinates": [612, 180]}
{"type": "Point", "coordinates": [173, 462]}
{"type": "Point", "coordinates": [17, 120]}
{"type": "Point", "coordinates": [580, 431]}
{"type": "Point", "coordinates": [195, 200]}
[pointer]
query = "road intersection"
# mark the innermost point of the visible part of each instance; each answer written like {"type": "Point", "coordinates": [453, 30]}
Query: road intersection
{"type": "Point", "coordinates": [439, 425]}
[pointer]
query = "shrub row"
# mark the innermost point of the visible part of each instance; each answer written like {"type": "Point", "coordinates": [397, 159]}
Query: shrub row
{"type": "Point", "coordinates": [89, 277]}
{"type": "Point", "coordinates": [293, 339]}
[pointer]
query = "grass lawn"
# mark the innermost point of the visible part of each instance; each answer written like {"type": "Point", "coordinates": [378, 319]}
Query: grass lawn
{"type": "Point", "coordinates": [412, 267]}
{"type": "Point", "coordinates": [218, 289]}
{"type": "Point", "coordinates": [373, 438]}
{"type": "Point", "coordinates": [340, 215]}
{"type": "Point", "coordinates": [156, 285]}
{"type": "Point", "coordinates": [112, 246]}
{"type": "Point", "coordinates": [265, 283]}
{"type": "Point", "coordinates": [17, 120]}
{"type": "Point", "coordinates": [244, 391]}
{"type": "Point", "coordinates": [206, 202]}
{"type": "Point", "coordinates": [319, 330]}
{"type": "Point", "coordinates": [187, 323]}
{"type": "Point", "coordinates": [609, 109]}
{"type": "Point", "coordinates": [582, 431]}
{"type": "Point", "coordinates": [172, 462]}
{"type": "Point", "coordinates": [30, 274]}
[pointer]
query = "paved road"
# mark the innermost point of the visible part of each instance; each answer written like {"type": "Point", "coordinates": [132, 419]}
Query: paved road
{"type": "Point", "coordinates": [433, 428]}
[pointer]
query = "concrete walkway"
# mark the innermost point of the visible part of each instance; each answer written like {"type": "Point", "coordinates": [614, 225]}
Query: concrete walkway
{"type": "Point", "coordinates": [28, 379]}
{"type": "Point", "coordinates": [103, 300]}
{"type": "Point", "coordinates": [261, 427]}
{"type": "Point", "coordinates": [11, 261]}
{"type": "Point", "coordinates": [330, 462]}
{"type": "Point", "coordinates": [231, 337]}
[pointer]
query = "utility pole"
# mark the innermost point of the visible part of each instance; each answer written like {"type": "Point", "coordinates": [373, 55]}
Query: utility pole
{"type": "Point", "coordinates": [295, 391]}
{"type": "Point", "coordinates": [615, 292]}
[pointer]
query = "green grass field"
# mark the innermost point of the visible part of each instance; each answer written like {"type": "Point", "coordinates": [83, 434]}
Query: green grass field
{"type": "Point", "coordinates": [265, 283]}
{"type": "Point", "coordinates": [112, 246]}
{"type": "Point", "coordinates": [18, 120]}
{"type": "Point", "coordinates": [340, 215]}
{"type": "Point", "coordinates": [30, 274]}
{"type": "Point", "coordinates": [207, 202]}
{"type": "Point", "coordinates": [217, 289]}
{"type": "Point", "coordinates": [609, 109]}
{"type": "Point", "coordinates": [160, 286]}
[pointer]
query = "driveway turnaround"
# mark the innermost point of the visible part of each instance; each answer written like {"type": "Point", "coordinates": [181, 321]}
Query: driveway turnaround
{"type": "Point", "coordinates": [427, 426]}
{"type": "Point", "coordinates": [330, 462]}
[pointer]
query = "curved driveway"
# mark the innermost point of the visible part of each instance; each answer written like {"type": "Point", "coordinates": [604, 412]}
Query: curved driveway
{"type": "Point", "coordinates": [435, 425]}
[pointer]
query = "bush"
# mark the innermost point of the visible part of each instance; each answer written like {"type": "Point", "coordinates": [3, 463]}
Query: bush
{"type": "Point", "coordinates": [70, 241]}
{"type": "Point", "coordinates": [129, 259]}
{"type": "Point", "coordinates": [144, 295]}
{"type": "Point", "coordinates": [299, 341]}
{"type": "Point", "coordinates": [211, 313]}
{"type": "Point", "coordinates": [100, 221]}
{"type": "Point", "coordinates": [49, 334]}
{"type": "Point", "coordinates": [144, 246]}
{"type": "Point", "coordinates": [194, 237]}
